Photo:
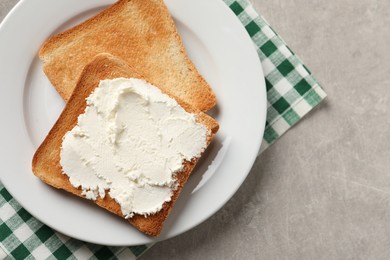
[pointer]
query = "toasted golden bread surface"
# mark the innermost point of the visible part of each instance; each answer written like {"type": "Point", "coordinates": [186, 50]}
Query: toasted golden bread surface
{"type": "Point", "coordinates": [143, 34]}
{"type": "Point", "coordinates": [46, 161]}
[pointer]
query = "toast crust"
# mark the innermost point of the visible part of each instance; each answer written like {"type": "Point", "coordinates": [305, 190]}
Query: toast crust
{"type": "Point", "coordinates": [46, 161]}
{"type": "Point", "coordinates": [143, 34]}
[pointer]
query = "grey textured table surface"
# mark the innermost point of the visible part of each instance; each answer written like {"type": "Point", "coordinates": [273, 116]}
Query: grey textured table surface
{"type": "Point", "coordinates": [323, 190]}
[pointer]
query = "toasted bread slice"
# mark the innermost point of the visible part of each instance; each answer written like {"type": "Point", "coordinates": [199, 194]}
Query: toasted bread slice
{"type": "Point", "coordinates": [143, 34]}
{"type": "Point", "coordinates": [46, 161]}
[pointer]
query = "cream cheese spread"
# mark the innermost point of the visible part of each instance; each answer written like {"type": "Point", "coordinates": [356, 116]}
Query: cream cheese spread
{"type": "Point", "coordinates": [130, 142]}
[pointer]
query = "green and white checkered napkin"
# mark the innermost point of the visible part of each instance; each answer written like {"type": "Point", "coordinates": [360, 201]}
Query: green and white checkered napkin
{"type": "Point", "coordinates": [291, 91]}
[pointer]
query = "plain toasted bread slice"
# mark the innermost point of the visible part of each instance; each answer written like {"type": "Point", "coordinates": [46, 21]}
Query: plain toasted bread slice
{"type": "Point", "coordinates": [143, 34]}
{"type": "Point", "coordinates": [46, 161]}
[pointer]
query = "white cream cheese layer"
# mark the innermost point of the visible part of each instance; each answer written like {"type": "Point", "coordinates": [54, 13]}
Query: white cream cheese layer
{"type": "Point", "coordinates": [130, 142]}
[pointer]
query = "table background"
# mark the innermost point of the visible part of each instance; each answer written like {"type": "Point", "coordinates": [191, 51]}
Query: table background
{"type": "Point", "coordinates": [323, 190]}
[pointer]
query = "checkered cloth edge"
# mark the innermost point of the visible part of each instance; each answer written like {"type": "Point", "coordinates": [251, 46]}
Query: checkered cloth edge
{"type": "Point", "coordinates": [292, 92]}
{"type": "Point", "coordinates": [24, 237]}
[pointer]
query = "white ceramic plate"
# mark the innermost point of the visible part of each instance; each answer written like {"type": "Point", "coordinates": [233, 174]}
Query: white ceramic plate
{"type": "Point", "coordinates": [220, 48]}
